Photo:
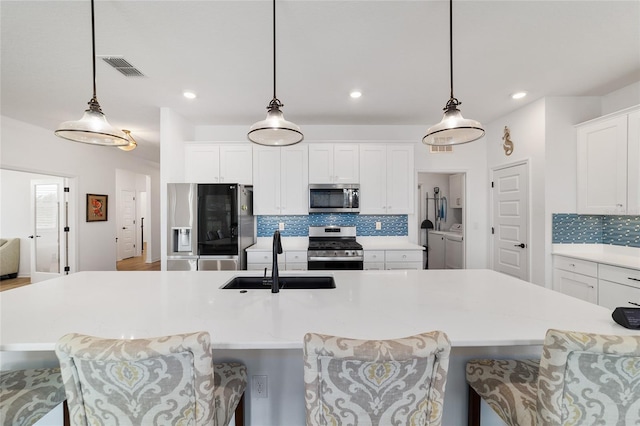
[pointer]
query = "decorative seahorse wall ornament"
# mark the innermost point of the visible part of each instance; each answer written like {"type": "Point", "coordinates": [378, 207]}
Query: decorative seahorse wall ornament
{"type": "Point", "coordinates": [508, 144]}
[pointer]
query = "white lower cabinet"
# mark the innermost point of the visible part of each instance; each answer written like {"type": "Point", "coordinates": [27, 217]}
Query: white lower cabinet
{"type": "Point", "coordinates": [618, 286]}
{"type": "Point", "coordinates": [403, 259]}
{"type": "Point", "coordinates": [607, 285]}
{"type": "Point", "coordinates": [577, 278]}
{"type": "Point", "coordinates": [373, 260]}
{"type": "Point", "coordinates": [295, 260]}
{"type": "Point", "coordinates": [259, 260]}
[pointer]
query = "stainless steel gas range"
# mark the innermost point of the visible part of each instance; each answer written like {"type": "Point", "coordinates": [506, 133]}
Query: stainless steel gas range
{"type": "Point", "coordinates": [334, 248]}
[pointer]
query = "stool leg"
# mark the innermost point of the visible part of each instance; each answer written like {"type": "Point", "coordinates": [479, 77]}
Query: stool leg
{"type": "Point", "coordinates": [473, 410]}
{"type": "Point", "coordinates": [239, 414]}
{"type": "Point", "coordinates": [65, 413]}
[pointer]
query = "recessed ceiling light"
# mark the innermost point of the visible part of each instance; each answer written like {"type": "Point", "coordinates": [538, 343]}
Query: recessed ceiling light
{"type": "Point", "coordinates": [518, 95]}
{"type": "Point", "coordinates": [188, 94]}
{"type": "Point", "coordinates": [355, 94]}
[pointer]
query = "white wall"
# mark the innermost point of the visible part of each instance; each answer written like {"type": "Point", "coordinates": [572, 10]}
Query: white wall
{"type": "Point", "coordinates": [33, 149]}
{"type": "Point", "coordinates": [623, 98]}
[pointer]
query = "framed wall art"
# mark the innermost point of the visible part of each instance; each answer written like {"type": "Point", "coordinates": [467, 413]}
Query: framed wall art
{"type": "Point", "coordinates": [97, 208]}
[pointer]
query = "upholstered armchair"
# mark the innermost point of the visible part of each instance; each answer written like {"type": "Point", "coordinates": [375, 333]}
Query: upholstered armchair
{"type": "Point", "coordinates": [375, 382]}
{"type": "Point", "coordinates": [581, 379]}
{"type": "Point", "coordinates": [9, 257]}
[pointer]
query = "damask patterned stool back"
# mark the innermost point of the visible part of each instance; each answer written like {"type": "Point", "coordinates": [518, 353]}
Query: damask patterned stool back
{"type": "Point", "coordinates": [164, 380]}
{"type": "Point", "coordinates": [581, 379]}
{"type": "Point", "coordinates": [375, 382]}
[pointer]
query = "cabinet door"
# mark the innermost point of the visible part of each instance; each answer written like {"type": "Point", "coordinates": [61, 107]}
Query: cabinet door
{"type": "Point", "coordinates": [436, 249]}
{"type": "Point", "coordinates": [400, 191]}
{"type": "Point", "coordinates": [602, 167]}
{"type": "Point", "coordinates": [456, 190]}
{"type": "Point", "coordinates": [320, 163]}
{"type": "Point", "coordinates": [373, 179]}
{"type": "Point", "coordinates": [611, 295]}
{"type": "Point", "coordinates": [236, 164]}
{"type": "Point", "coordinates": [294, 177]}
{"type": "Point", "coordinates": [266, 188]}
{"type": "Point", "coordinates": [633, 163]}
{"type": "Point", "coordinates": [201, 163]}
{"type": "Point", "coordinates": [345, 163]}
{"type": "Point", "coordinates": [576, 285]}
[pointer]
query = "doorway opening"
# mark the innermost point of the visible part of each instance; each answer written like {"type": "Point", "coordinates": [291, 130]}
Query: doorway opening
{"type": "Point", "coordinates": [441, 218]}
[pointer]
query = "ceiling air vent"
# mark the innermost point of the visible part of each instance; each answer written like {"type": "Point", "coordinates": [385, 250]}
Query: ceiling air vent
{"type": "Point", "coordinates": [440, 149]}
{"type": "Point", "coordinates": [123, 66]}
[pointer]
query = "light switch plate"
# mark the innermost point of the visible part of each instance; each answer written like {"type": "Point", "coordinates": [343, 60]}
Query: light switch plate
{"type": "Point", "coordinates": [281, 226]}
{"type": "Point", "coordinates": [378, 226]}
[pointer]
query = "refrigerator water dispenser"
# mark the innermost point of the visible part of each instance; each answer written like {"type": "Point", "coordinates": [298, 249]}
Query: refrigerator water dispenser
{"type": "Point", "coordinates": [181, 239]}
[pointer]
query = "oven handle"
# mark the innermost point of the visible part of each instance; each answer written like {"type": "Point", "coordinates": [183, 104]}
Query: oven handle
{"type": "Point", "coordinates": [336, 259]}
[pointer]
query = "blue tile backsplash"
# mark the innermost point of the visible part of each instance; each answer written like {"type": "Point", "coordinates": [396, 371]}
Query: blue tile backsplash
{"type": "Point", "coordinates": [298, 226]}
{"type": "Point", "coordinates": [596, 229]}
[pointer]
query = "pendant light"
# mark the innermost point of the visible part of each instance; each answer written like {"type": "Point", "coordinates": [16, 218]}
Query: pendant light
{"type": "Point", "coordinates": [275, 130]}
{"type": "Point", "coordinates": [93, 127]}
{"type": "Point", "coordinates": [453, 129]}
{"type": "Point", "coordinates": [132, 142]}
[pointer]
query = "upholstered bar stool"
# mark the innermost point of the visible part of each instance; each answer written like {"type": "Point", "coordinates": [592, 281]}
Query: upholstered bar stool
{"type": "Point", "coordinates": [163, 380]}
{"type": "Point", "coordinates": [28, 395]}
{"type": "Point", "coordinates": [375, 382]}
{"type": "Point", "coordinates": [581, 379]}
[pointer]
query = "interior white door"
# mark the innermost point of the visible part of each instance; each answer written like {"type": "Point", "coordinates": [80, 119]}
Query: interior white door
{"type": "Point", "coordinates": [511, 221]}
{"type": "Point", "coordinates": [127, 222]}
{"type": "Point", "coordinates": [47, 201]}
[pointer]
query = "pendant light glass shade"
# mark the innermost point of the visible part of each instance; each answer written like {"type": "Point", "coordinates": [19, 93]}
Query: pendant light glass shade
{"type": "Point", "coordinates": [93, 128]}
{"type": "Point", "coordinates": [453, 129]}
{"type": "Point", "coordinates": [132, 142]}
{"type": "Point", "coordinates": [275, 130]}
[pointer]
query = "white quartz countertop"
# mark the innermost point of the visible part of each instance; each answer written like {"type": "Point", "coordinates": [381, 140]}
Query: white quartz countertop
{"type": "Point", "coordinates": [626, 257]}
{"type": "Point", "coordinates": [474, 307]}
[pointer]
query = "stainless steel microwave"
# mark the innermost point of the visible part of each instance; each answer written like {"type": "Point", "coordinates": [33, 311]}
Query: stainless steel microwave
{"type": "Point", "coordinates": [334, 198]}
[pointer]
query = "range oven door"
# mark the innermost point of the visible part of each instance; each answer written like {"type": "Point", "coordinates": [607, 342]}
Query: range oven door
{"type": "Point", "coordinates": [334, 265]}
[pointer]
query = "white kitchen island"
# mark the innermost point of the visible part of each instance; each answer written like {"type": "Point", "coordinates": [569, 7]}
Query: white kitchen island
{"type": "Point", "coordinates": [483, 312]}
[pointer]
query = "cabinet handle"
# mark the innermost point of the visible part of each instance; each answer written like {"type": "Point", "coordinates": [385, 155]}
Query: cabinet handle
{"type": "Point", "coordinates": [573, 265]}
{"type": "Point", "coordinates": [634, 279]}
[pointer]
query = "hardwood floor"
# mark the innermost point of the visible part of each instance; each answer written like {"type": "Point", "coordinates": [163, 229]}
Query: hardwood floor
{"type": "Point", "coordinates": [131, 264]}
{"type": "Point", "coordinates": [14, 283]}
{"type": "Point", "coordinates": [137, 264]}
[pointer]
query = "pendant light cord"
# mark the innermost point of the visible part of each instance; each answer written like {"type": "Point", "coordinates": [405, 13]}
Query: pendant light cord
{"type": "Point", "coordinates": [274, 49]}
{"type": "Point", "coordinates": [93, 103]}
{"type": "Point", "coordinates": [451, 45]}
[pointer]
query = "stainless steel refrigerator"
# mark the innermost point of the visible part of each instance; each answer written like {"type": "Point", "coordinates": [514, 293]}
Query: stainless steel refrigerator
{"type": "Point", "coordinates": [219, 221]}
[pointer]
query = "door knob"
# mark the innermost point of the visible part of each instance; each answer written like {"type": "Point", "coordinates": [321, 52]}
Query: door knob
{"type": "Point", "coordinates": [521, 245]}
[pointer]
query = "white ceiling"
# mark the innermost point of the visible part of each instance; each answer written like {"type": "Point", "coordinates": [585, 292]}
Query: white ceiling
{"type": "Point", "coordinates": [395, 52]}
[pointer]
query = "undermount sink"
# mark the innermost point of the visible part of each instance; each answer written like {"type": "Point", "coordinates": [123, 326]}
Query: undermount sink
{"type": "Point", "coordinates": [299, 282]}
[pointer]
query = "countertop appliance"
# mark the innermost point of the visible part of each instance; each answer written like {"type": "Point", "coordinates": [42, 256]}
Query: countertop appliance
{"type": "Point", "coordinates": [334, 198]}
{"type": "Point", "coordinates": [334, 248]}
{"type": "Point", "coordinates": [209, 226]}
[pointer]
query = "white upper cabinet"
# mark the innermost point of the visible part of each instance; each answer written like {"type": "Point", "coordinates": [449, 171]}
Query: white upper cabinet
{"type": "Point", "coordinates": [333, 163]}
{"type": "Point", "coordinates": [281, 180]}
{"type": "Point", "coordinates": [386, 179]}
{"type": "Point", "coordinates": [218, 163]}
{"type": "Point", "coordinates": [607, 165]}
{"type": "Point", "coordinates": [456, 190]}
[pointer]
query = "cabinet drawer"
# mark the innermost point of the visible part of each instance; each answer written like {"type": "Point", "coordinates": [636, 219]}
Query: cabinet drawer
{"type": "Point", "coordinates": [259, 257]}
{"type": "Point", "coordinates": [374, 256]}
{"type": "Point", "coordinates": [625, 276]}
{"type": "Point", "coordinates": [373, 266]}
{"type": "Point", "coordinates": [296, 256]}
{"type": "Point", "coordinates": [403, 265]}
{"type": "Point", "coordinates": [403, 256]}
{"type": "Point", "coordinates": [611, 295]}
{"type": "Point", "coordinates": [576, 285]}
{"type": "Point", "coordinates": [583, 267]}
